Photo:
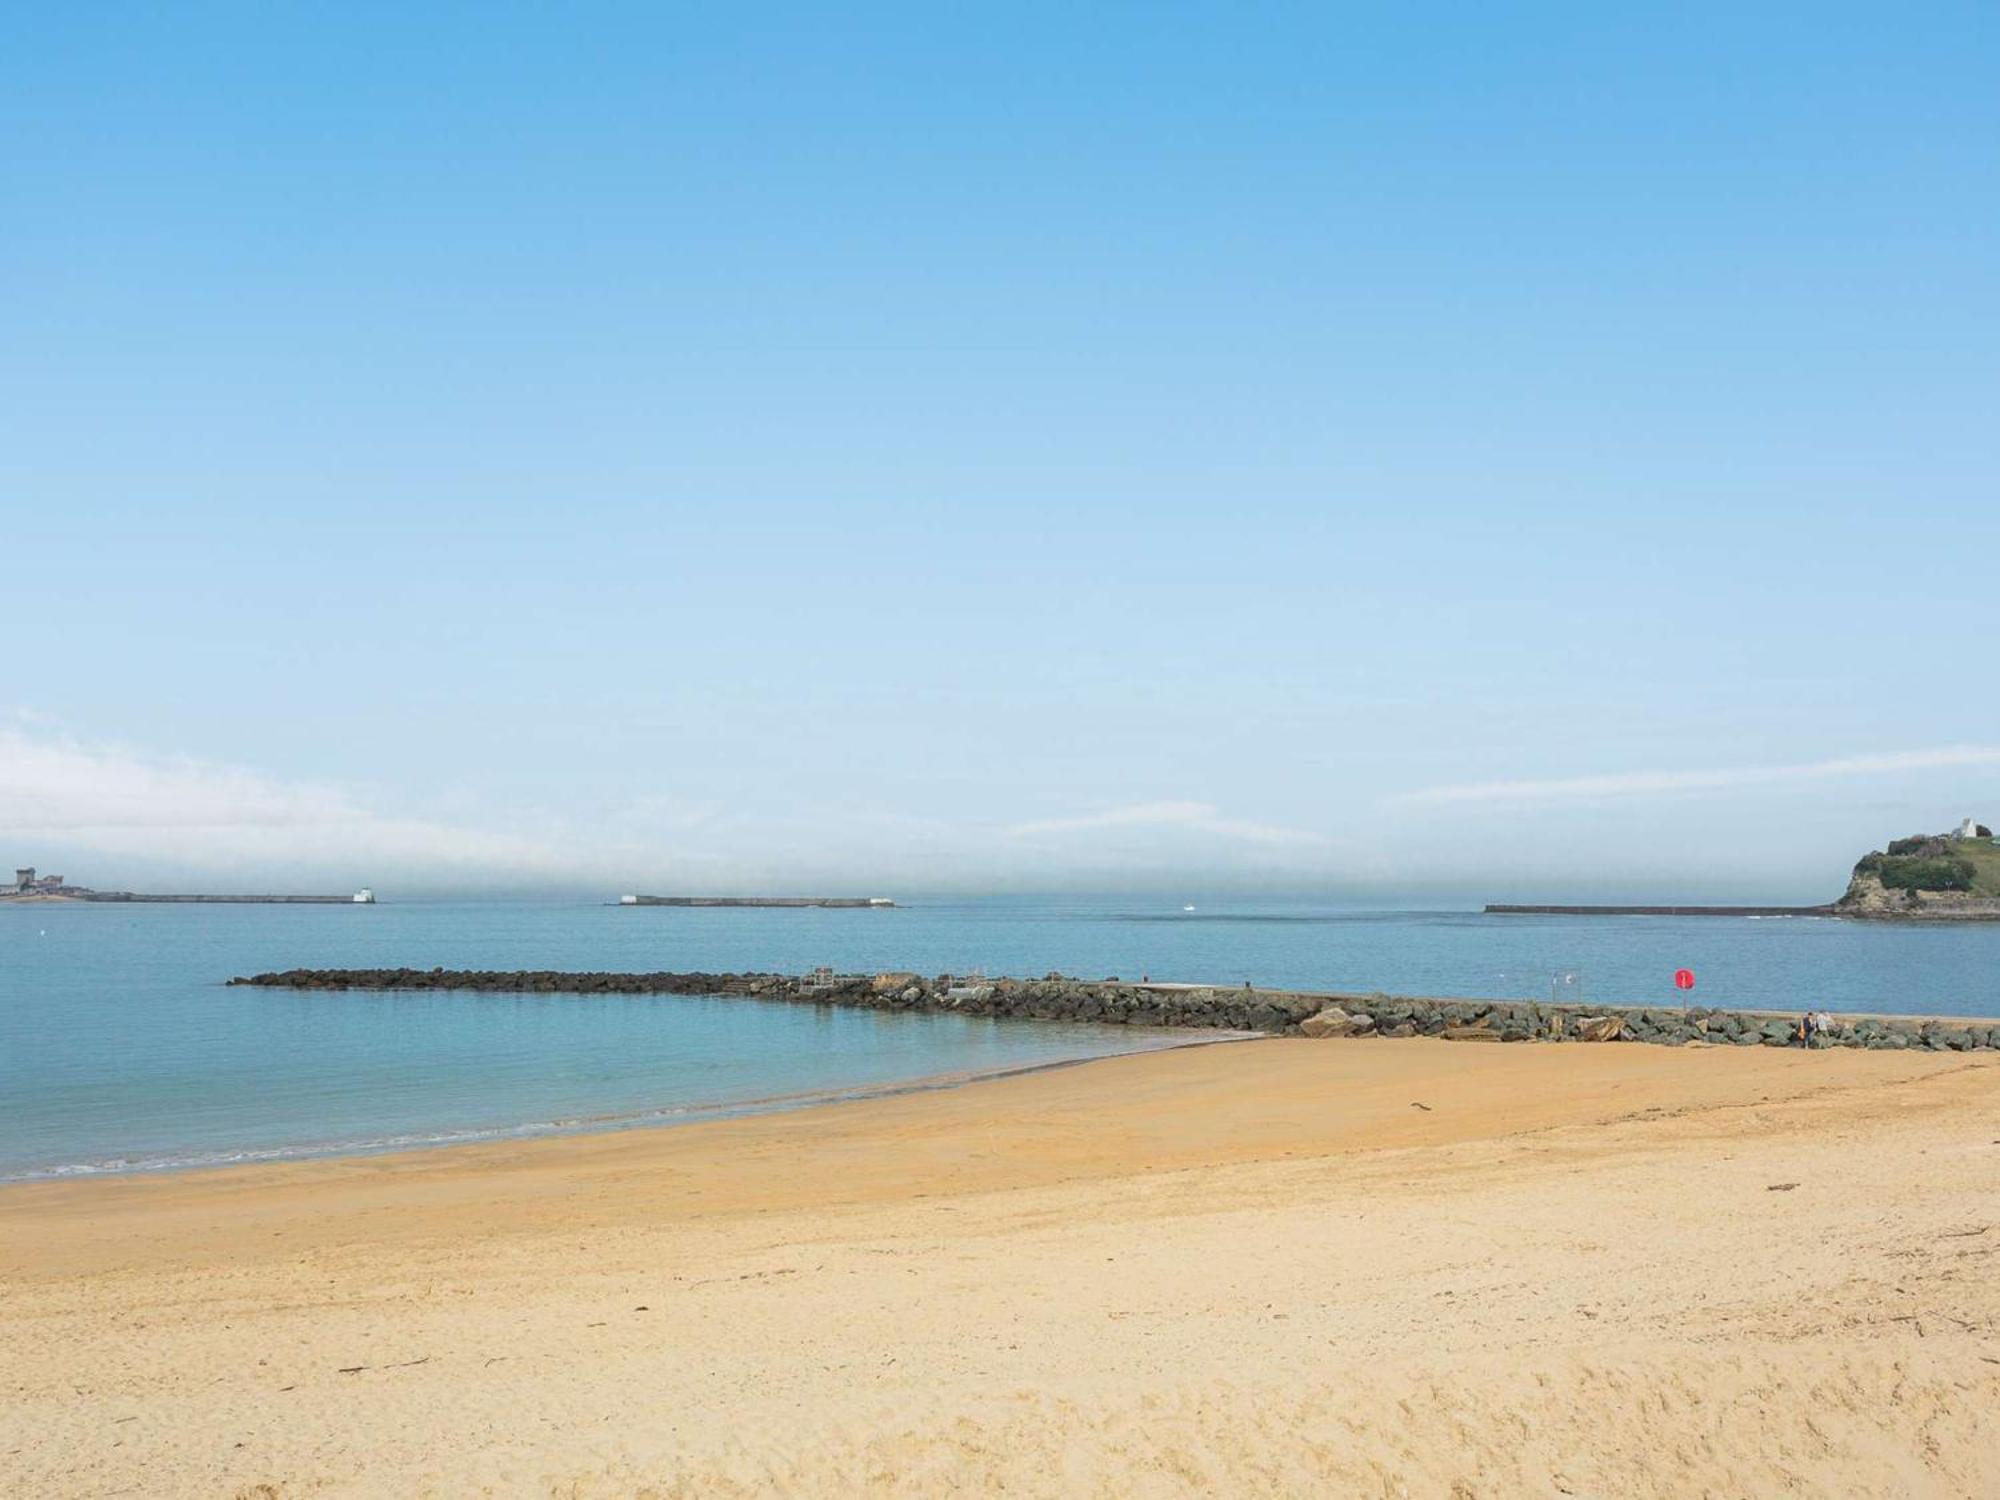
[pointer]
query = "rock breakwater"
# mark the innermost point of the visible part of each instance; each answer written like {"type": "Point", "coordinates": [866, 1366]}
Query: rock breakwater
{"type": "Point", "coordinates": [1276, 1012]}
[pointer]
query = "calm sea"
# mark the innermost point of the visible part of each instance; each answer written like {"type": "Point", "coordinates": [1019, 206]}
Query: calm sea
{"type": "Point", "coordinates": [121, 1050]}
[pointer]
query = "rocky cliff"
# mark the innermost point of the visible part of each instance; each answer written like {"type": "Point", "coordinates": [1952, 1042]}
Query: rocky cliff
{"type": "Point", "coordinates": [1926, 878]}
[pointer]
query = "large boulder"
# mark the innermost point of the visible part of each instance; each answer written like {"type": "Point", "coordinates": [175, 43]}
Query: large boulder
{"type": "Point", "coordinates": [1599, 1028]}
{"type": "Point", "coordinates": [1470, 1031]}
{"type": "Point", "coordinates": [1333, 1021]}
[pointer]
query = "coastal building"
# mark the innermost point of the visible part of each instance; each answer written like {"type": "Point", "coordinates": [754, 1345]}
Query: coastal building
{"type": "Point", "coordinates": [1972, 829]}
{"type": "Point", "coordinates": [24, 879]}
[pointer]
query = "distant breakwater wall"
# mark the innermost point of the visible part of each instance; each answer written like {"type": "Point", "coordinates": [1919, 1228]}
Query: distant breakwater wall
{"type": "Point", "coordinates": [826, 902]}
{"type": "Point", "coordinates": [1115, 1002]}
{"type": "Point", "coordinates": [1505, 909]}
{"type": "Point", "coordinates": [131, 896]}
{"type": "Point", "coordinates": [1878, 906]}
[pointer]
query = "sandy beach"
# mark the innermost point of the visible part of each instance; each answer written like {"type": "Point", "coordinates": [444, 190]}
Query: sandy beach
{"type": "Point", "coordinates": [1277, 1267]}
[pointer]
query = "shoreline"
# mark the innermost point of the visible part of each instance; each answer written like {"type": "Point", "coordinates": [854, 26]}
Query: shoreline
{"type": "Point", "coordinates": [1291, 1267]}
{"type": "Point", "coordinates": [1577, 1086]}
{"type": "Point", "coordinates": [665, 1117]}
{"type": "Point", "coordinates": [1148, 1015]}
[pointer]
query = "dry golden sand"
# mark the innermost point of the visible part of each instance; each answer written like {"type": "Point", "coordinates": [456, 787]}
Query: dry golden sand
{"type": "Point", "coordinates": [1244, 1269]}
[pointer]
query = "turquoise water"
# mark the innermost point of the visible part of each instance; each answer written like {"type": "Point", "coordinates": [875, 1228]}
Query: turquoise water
{"type": "Point", "coordinates": [120, 1048]}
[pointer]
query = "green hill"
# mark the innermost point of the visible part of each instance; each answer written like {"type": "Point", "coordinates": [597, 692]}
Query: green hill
{"type": "Point", "coordinates": [1935, 863]}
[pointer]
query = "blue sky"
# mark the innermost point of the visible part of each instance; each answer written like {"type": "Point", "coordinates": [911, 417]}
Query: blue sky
{"type": "Point", "coordinates": [1372, 451]}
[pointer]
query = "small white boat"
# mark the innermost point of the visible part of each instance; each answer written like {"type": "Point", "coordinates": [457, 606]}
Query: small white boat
{"type": "Point", "coordinates": [1187, 908]}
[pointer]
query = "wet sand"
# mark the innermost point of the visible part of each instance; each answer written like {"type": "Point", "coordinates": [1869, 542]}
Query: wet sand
{"type": "Point", "coordinates": [1376, 1268]}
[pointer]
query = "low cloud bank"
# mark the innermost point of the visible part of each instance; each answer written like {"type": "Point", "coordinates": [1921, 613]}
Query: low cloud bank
{"type": "Point", "coordinates": [1190, 817]}
{"type": "Point", "coordinates": [113, 802]}
{"type": "Point", "coordinates": [115, 816]}
{"type": "Point", "coordinates": [1629, 784]}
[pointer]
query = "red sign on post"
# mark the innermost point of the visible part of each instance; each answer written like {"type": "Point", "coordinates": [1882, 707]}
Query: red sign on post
{"type": "Point", "coordinates": [1684, 979]}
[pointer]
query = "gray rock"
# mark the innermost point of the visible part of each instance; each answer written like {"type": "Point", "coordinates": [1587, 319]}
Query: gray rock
{"type": "Point", "coordinates": [1475, 1031]}
{"type": "Point", "coordinates": [1333, 1021]}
